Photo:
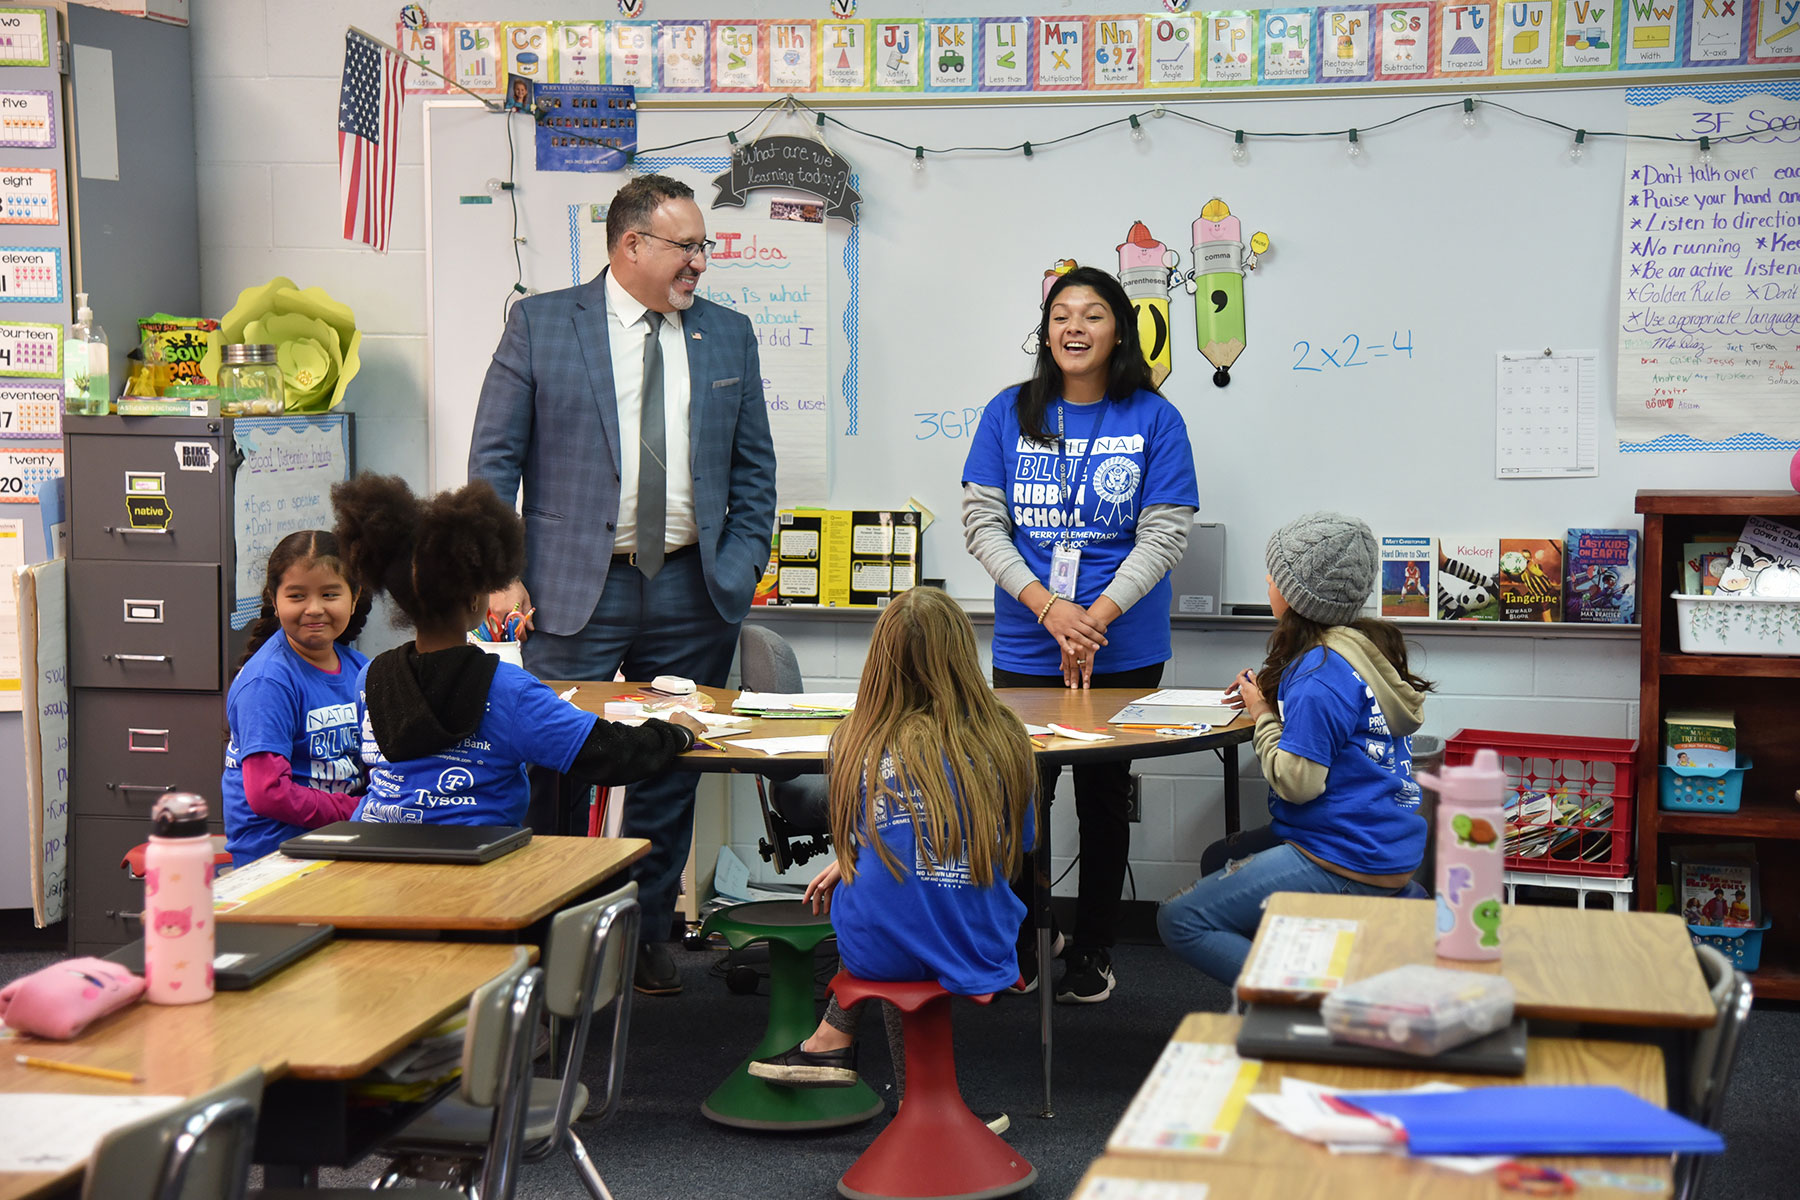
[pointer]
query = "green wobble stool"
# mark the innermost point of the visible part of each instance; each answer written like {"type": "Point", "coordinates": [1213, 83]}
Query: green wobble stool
{"type": "Point", "coordinates": [793, 931]}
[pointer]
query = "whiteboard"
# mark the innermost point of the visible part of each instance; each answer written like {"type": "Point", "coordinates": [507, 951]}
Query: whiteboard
{"type": "Point", "coordinates": [1456, 242]}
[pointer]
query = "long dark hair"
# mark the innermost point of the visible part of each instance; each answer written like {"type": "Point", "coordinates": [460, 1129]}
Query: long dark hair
{"type": "Point", "coordinates": [1294, 635]}
{"type": "Point", "coordinates": [304, 547]}
{"type": "Point", "coordinates": [433, 554]}
{"type": "Point", "coordinates": [1126, 370]}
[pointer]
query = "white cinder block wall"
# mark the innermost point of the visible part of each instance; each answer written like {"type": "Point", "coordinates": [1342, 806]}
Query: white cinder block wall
{"type": "Point", "coordinates": [266, 78]}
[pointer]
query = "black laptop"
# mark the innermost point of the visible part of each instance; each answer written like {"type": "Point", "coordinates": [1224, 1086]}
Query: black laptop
{"type": "Point", "coordinates": [243, 955]}
{"type": "Point", "coordinates": [366, 841]}
{"type": "Point", "coordinates": [1299, 1035]}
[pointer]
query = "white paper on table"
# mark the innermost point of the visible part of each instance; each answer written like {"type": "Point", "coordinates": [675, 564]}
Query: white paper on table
{"type": "Point", "coordinates": [1301, 954]}
{"type": "Point", "coordinates": [708, 719]}
{"type": "Point", "coordinates": [1190, 1102]}
{"type": "Point", "coordinates": [796, 701]}
{"type": "Point", "coordinates": [1112, 1187]}
{"type": "Point", "coordinates": [266, 873]}
{"type": "Point", "coordinates": [1036, 730]}
{"type": "Point", "coordinates": [810, 744]}
{"type": "Point", "coordinates": [1302, 1109]}
{"type": "Point", "coordinates": [1198, 697]}
{"type": "Point", "coordinates": [1078, 735]}
{"type": "Point", "coordinates": [53, 1131]}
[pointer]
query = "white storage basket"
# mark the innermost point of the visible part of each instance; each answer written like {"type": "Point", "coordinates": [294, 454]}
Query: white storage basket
{"type": "Point", "coordinates": [1744, 625]}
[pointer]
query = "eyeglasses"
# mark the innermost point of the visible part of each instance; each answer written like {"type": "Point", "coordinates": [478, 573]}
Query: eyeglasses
{"type": "Point", "coordinates": [689, 249]}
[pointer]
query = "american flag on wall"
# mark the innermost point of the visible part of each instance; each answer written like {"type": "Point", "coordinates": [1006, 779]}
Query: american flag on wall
{"type": "Point", "coordinates": [369, 137]}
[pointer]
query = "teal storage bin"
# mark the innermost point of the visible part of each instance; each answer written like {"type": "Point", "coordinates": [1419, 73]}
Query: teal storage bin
{"type": "Point", "coordinates": [1702, 789]}
{"type": "Point", "coordinates": [1742, 947]}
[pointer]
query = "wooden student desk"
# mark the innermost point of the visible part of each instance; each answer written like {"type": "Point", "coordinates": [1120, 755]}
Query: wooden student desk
{"type": "Point", "coordinates": [1565, 964]}
{"type": "Point", "coordinates": [332, 1016]}
{"type": "Point", "coordinates": [1085, 710]}
{"type": "Point", "coordinates": [1263, 1160]}
{"type": "Point", "coordinates": [506, 895]}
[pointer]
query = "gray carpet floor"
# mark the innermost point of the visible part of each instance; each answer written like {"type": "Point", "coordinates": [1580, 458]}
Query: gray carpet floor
{"type": "Point", "coordinates": [657, 1146]}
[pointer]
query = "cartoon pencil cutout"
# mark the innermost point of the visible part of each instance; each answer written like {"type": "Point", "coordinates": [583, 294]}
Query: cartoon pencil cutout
{"type": "Point", "coordinates": [1218, 286]}
{"type": "Point", "coordinates": [1144, 270]}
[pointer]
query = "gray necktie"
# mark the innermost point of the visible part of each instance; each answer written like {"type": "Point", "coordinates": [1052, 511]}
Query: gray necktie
{"type": "Point", "coordinates": [653, 475]}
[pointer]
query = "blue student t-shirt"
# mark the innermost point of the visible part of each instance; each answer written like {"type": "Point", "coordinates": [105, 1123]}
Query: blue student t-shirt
{"type": "Point", "coordinates": [281, 704]}
{"type": "Point", "coordinates": [1368, 818]}
{"type": "Point", "coordinates": [931, 923]}
{"type": "Point", "coordinates": [481, 779]}
{"type": "Point", "coordinates": [1122, 455]}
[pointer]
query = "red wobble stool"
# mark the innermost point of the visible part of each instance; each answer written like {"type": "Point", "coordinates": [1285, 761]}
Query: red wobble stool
{"type": "Point", "coordinates": [934, 1147]}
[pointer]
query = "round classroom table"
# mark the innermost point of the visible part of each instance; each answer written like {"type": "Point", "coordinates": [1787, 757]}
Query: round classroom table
{"type": "Point", "coordinates": [1083, 710]}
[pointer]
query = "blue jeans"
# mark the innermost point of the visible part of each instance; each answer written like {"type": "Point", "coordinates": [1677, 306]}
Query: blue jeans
{"type": "Point", "coordinates": [662, 626]}
{"type": "Point", "coordinates": [1211, 924]}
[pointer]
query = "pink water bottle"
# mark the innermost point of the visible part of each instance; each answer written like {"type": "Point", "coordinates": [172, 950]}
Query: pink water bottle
{"type": "Point", "coordinates": [1471, 857]}
{"type": "Point", "coordinates": [178, 902]}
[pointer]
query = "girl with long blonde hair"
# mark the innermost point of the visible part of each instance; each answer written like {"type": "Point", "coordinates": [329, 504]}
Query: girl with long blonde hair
{"type": "Point", "coordinates": [931, 783]}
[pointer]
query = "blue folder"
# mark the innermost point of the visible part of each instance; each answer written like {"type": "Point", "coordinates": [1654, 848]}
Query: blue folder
{"type": "Point", "coordinates": [1538, 1120]}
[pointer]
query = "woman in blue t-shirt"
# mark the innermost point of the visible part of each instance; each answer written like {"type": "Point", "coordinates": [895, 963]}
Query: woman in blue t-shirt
{"type": "Point", "coordinates": [1343, 805]}
{"type": "Point", "coordinates": [447, 729]}
{"type": "Point", "coordinates": [1077, 498]}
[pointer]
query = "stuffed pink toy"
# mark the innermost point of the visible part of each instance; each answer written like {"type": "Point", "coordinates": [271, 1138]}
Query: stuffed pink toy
{"type": "Point", "coordinates": [62, 1000]}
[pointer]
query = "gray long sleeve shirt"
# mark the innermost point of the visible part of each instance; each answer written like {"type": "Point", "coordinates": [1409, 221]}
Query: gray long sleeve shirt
{"type": "Point", "coordinates": [1161, 540]}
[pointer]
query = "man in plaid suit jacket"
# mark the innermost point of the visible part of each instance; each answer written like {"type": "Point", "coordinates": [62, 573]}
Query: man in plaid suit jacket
{"type": "Point", "coordinates": [561, 413]}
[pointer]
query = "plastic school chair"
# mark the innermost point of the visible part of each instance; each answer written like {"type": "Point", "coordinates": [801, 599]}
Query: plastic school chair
{"type": "Point", "coordinates": [198, 1150]}
{"type": "Point", "coordinates": [1715, 1050]}
{"type": "Point", "coordinates": [588, 959]}
{"type": "Point", "coordinates": [934, 1146]}
{"type": "Point", "coordinates": [793, 931]}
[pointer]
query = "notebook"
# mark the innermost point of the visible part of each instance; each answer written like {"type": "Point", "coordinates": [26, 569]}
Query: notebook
{"type": "Point", "coordinates": [1538, 1120]}
{"type": "Point", "coordinates": [243, 955]}
{"type": "Point", "coordinates": [1299, 1035]}
{"type": "Point", "coordinates": [368, 842]}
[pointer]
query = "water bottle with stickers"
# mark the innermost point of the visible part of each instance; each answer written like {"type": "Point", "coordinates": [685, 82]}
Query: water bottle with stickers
{"type": "Point", "coordinates": [1471, 857]}
{"type": "Point", "coordinates": [178, 902]}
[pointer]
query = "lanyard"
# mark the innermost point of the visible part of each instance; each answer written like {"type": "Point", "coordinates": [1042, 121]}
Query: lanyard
{"type": "Point", "coordinates": [1068, 485]}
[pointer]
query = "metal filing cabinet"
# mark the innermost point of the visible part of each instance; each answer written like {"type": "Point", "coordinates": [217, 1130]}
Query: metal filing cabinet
{"type": "Point", "coordinates": [151, 572]}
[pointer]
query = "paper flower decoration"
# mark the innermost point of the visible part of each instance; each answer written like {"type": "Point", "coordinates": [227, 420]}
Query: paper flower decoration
{"type": "Point", "coordinates": [315, 338]}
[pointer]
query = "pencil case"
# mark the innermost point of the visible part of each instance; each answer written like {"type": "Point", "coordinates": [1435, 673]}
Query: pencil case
{"type": "Point", "coordinates": [63, 999]}
{"type": "Point", "coordinates": [1418, 1009]}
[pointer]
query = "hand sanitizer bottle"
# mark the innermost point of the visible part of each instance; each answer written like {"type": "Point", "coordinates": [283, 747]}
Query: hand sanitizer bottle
{"type": "Point", "coordinates": [87, 377]}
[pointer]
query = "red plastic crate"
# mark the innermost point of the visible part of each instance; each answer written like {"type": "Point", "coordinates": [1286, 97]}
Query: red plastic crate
{"type": "Point", "coordinates": [1580, 771]}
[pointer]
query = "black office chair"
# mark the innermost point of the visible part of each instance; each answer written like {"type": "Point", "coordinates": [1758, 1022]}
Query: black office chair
{"type": "Point", "coordinates": [795, 815]}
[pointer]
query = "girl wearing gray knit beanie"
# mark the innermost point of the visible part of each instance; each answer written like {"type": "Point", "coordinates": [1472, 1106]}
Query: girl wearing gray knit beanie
{"type": "Point", "coordinates": [1334, 705]}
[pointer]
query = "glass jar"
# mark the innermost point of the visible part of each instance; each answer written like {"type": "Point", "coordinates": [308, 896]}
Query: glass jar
{"type": "Point", "coordinates": [250, 383]}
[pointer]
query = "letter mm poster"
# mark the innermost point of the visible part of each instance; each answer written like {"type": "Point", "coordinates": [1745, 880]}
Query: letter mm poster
{"type": "Point", "coordinates": [1709, 287]}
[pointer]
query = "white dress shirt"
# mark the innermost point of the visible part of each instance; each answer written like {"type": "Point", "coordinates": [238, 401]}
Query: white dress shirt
{"type": "Point", "coordinates": [626, 333]}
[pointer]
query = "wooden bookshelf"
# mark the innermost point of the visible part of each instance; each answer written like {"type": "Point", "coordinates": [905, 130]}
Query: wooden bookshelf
{"type": "Point", "coordinates": [1759, 689]}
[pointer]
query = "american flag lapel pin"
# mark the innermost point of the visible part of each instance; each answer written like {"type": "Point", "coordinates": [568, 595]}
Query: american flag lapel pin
{"type": "Point", "coordinates": [696, 336]}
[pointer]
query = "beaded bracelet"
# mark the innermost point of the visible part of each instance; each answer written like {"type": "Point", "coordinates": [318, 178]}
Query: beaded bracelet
{"type": "Point", "coordinates": [1045, 611]}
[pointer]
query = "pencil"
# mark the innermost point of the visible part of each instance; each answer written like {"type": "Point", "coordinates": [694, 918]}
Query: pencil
{"type": "Point", "coordinates": [50, 1064]}
{"type": "Point", "coordinates": [709, 743]}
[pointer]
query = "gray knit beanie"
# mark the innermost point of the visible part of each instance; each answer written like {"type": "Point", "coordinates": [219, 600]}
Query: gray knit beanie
{"type": "Point", "coordinates": [1324, 564]}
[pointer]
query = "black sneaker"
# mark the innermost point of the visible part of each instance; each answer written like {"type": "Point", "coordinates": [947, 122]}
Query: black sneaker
{"type": "Point", "coordinates": [800, 1067]}
{"type": "Point", "coordinates": [1089, 979]}
{"type": "Point", "coordinates": [1028, 980]}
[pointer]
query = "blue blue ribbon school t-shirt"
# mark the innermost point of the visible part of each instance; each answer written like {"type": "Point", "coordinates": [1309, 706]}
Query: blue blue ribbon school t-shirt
{"type": "Point", "coordinates": [281, 704]}
{"type": "Point", "coordinates": [1121, 456]}
{"type": "Point", "coordinates": [933, 922]}
{"type": "Point", "coordinates": [480, 780]}
{"type": "Point", "coordinates": [1368, 818]}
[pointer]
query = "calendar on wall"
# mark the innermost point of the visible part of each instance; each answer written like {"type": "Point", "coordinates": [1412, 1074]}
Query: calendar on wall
{"type": "Point", "coordinates": [1546, 414]}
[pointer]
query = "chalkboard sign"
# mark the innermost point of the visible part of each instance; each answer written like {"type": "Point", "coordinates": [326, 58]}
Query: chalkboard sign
{"type": "Point", "coordinates": [795, 164]}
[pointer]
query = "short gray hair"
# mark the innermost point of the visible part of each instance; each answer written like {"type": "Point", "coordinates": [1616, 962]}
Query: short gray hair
{"type": "Point", "coordinates": [634, 204]}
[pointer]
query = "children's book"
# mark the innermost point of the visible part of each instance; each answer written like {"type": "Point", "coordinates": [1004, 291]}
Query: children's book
{"type": "Point", "coordinates": [1718, 889]}
{"type": "Point", "coordinates": [1701, 565]}
{"type": "Point", "coordinates": [1531, 572]}
{"type": "Point", "coordinates": [1601, 586]}
{"type": "Point", "coordinates": [1468, 587]}
{"type": "Point", "coordinates": [1408, 576]}
{"type": "Point", "coordinates": [1765, 561]}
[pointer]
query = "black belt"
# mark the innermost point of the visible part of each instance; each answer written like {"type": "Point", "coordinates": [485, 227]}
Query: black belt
{"type": "Point", "coordinates": [630, 560]}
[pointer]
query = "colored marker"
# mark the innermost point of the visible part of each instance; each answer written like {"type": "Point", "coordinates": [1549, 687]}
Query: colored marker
{"type": "Point", "coordinates": [1144, 270]}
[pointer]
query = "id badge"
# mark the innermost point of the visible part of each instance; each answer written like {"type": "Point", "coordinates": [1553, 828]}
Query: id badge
{"type": "Point", "coordinates": [1065, 564]}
